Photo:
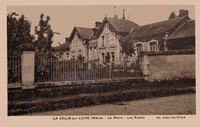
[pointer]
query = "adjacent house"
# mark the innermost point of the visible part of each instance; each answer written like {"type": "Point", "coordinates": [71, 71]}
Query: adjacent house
{"type": "Point", "coordinates": [62, 51]}
{"type": "Point", "coordinates": [93, 44]}
{"type": "Point", "coordinates": [109, 35]}
{"type": "Point", "coordinates": [183, 38]}
{"type": "Point", "coordinates": [151, 37]}
{"type": "Point", "coordinates": [79, 40]}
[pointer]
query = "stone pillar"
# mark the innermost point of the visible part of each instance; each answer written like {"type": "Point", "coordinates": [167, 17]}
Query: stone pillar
{"type": "Point", "coordinates": [145, 65]}
{"type": "Point", "coordinates": [28, 66]}
{"type": "Point", "coordinates": [165, 41]}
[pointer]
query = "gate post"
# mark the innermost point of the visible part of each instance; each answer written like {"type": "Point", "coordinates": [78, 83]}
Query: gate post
{"type": "Point", "coordinates": [28, 66]}
{"type": "Point", "coordinates": [145, 67]}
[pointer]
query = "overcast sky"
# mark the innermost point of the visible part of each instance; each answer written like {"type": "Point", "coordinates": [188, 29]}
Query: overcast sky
{"type": "Point", "coordinates": [64, 18]}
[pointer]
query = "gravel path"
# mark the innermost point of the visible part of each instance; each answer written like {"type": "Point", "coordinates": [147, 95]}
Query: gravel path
{"type": "Point", "coordinates": [173, 105]}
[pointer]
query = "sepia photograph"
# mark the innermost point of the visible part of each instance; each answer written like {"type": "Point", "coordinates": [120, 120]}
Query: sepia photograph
{"type": "Point", "coordinates": [69, 60]}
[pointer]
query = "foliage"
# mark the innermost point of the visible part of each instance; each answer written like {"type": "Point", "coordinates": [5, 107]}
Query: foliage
{"type": "Point", "coordinates": [128, 48]}
{"type": "Point", "coordinates": [44, 35]}
{"type": "Point", "coordinates": [80, 58]}
{"type": "Point", "coordinates": [18, 33]}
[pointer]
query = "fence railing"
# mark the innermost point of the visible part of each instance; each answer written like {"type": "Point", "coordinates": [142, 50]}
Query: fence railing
{"type": "Point", "coordinates": [14, 70]}
{"type": "Point", "coordinates": [47, 70]}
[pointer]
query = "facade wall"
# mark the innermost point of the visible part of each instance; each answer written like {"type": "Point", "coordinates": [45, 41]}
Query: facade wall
{"type": "Point", "coordinates": [168, 66]}
{"type": "Point", "coordinates": [77, 48]}
{"type": "Point", "coordinates": [93, 50]}
{"type": "Point", "coordinates": [181, 44]}
{"type": "Point", "coordinates": [110, 45]}
{"type": "Point", "coordinates": [146, 45]}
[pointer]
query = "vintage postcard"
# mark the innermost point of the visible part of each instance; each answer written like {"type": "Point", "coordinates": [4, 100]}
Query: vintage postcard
{"type": "Point", "coordinates": [99, 63]}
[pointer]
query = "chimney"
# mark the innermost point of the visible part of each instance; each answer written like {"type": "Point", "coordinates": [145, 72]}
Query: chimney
{"type": "Point", "coordinates": [123, 14]}
{"type": "Point", "coordinates": [97, 24]}
{"type": "Point", "coordinates": [66, 39]}
{"type": "Point", "coordinates": [115, 15]}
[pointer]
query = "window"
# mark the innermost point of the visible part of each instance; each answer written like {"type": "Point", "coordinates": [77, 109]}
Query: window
{"type": "Point", "coordinates": [90, 53]}
{"type": "Point", "coordinates": [73, 57]}
{"type": "Point", "coordinates": [107, 58]}
{"type": "Point", "coordinates": [102, 57]}
{"type": "Point", "coordinates": [112, 40]}
{"type": "Point", "coordinates": [139, 48]}
{"type": "Point", "coordinates": [73, 46]}
{"type": "Point", "coordinates": [102, 41]}
{"type": "Point", "coordinates": [107, 38]}
{"type": "Point", "coordinates": [107, 27]}
{"type": "Point", "coordinates": [153, 46]}
{"type": "Point", "coordinates": [80, 46]}
{"type": "Point", "coordinates": [67, 54]}
{"type": "Point", "coordinates": [113, 56]}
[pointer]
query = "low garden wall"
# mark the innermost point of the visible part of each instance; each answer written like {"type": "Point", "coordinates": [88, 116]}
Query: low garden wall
{"type": "Point", "coordinates": [168, 65]}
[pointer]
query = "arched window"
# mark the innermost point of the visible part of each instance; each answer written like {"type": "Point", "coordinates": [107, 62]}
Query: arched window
{"type": "Point", "coordinates": [153, 45]}
{"type": "Point", "coordinates": [139, 47]}
{"type": "Point", "coordinates": [90, 48]}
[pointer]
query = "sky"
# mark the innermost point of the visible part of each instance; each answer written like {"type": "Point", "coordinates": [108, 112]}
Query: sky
{"type": "Point", "coordinates": [65, 17]}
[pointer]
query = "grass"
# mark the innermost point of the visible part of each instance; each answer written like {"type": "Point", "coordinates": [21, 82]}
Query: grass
{"type": "Point", "coordinates": [47, 99]}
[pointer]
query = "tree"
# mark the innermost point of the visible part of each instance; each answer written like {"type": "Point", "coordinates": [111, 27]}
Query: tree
{"type": "Point", "coordinates": [128, 48]}
{"type": "Point", "coordinates": [80, 58]}
{"type": "Point", "coordinates": [18, 33]}
{"type": "Point", "coordinates": [44, 35]}
{"type": "Point", "coordinates": [172, 15]}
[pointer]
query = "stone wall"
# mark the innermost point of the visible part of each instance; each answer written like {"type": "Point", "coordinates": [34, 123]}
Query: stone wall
{"type": "Point", "coordinates": [168, 65]}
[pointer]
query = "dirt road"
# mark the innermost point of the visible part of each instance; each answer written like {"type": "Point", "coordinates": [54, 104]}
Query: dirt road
{"type": "Point", "coordinates": [172, 105]}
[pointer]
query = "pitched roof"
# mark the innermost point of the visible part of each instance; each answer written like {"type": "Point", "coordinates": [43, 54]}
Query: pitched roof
{"type": "Point", "coordinates": [83, 32]}
{"type": "Point", "coordinates": [93, 37]}
{"type": "Point", "coordinates": [156, 28]}
{"type": "Point", "coordinates": [62, 47]}
{"type": "Point", "coordinates": [185, 30]}
{"type": "Point", "coordinates": [120, 25]}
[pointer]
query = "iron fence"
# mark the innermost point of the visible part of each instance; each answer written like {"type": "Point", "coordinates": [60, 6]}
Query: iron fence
{"type": "Point", "coordinates": [14, 70]}
{"type": "Point", "coordinates": [47, 70]}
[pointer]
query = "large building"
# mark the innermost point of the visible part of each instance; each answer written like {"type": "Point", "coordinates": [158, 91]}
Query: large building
{"type": "Point", "coordinates": [62, 51]}
{"type": "Point", "coordinates": [109, 35]}
{"type": "Point", "coordinates": [105, 42]}
{"type": "Point", "coordinates": [101, 43]}
{"type": "Point", "coordinates": [151, 37]}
